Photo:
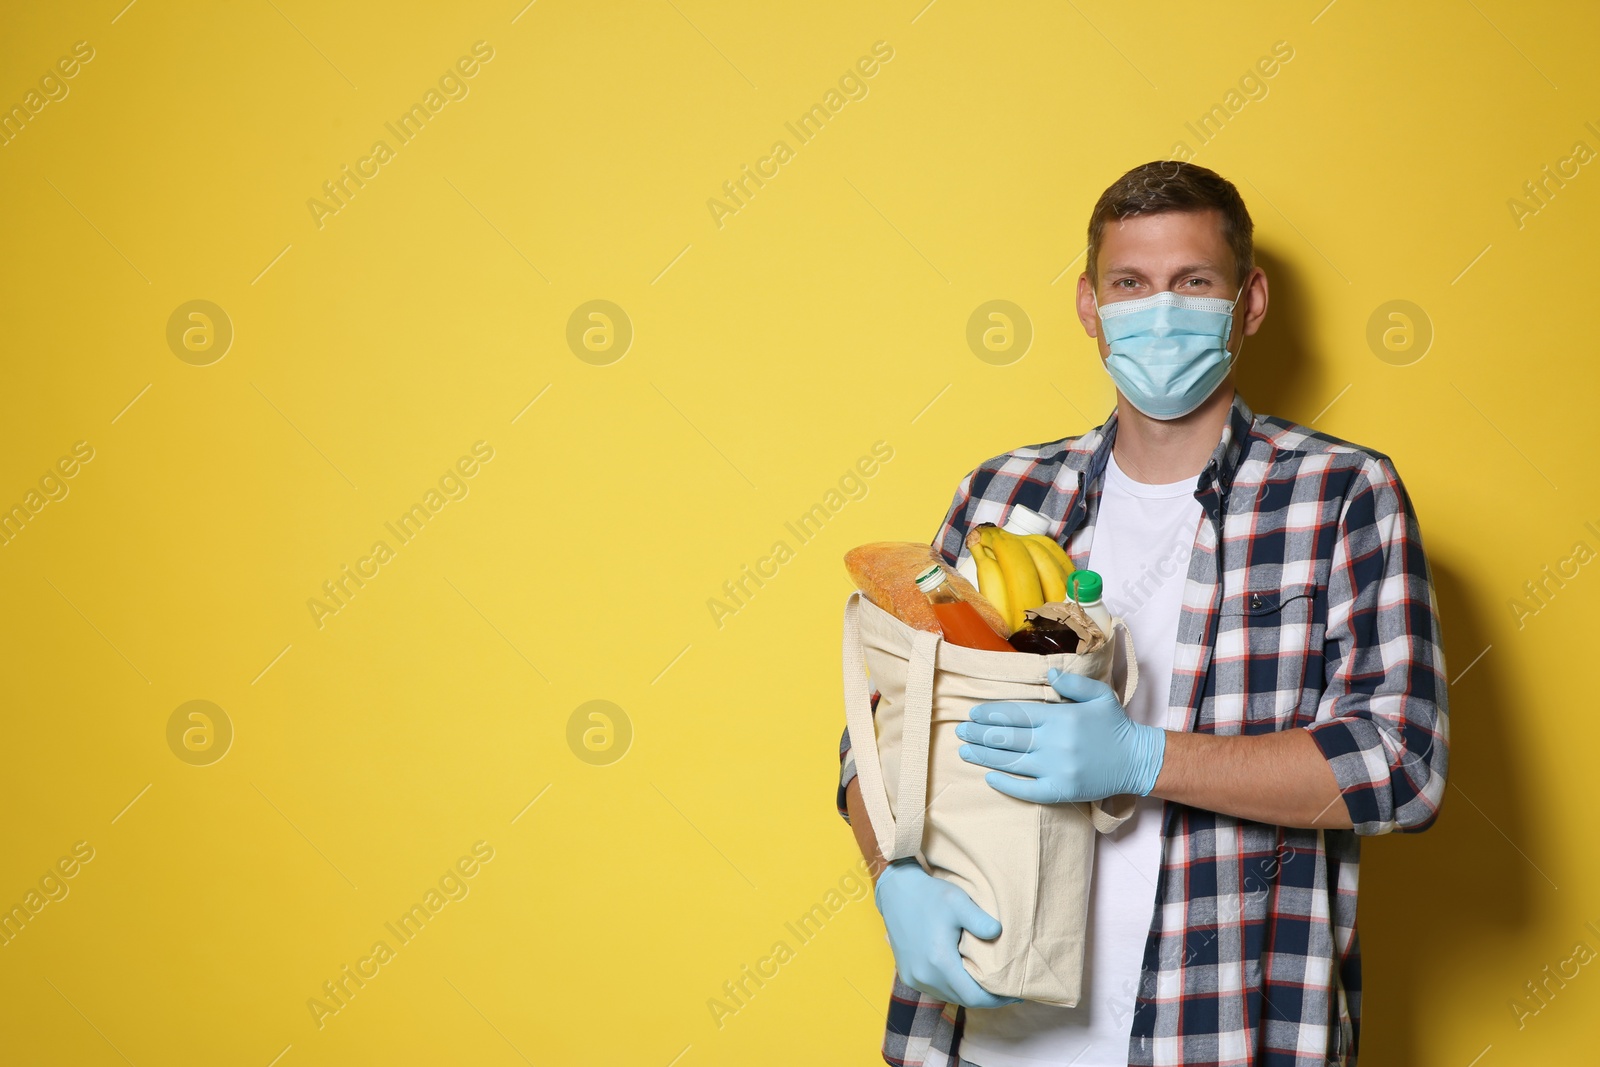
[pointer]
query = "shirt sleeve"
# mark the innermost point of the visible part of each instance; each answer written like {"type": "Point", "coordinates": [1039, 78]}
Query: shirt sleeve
{"type": "Point", "coordinates": [1383, 719]}
{"type": "Point", "coordinates": [951, 543]}
{"type": "Point", "coordinates": [951, 540]}
{"type": "Point", "coordinates": [847, 764]}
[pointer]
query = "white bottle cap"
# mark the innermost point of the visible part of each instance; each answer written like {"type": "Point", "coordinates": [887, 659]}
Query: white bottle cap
{"type": "Point", "coordinates": [1026, 521]}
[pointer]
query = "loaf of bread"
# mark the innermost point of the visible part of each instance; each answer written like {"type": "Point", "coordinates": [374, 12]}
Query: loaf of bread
{"type": "Point", "coordinates": [886, 573]}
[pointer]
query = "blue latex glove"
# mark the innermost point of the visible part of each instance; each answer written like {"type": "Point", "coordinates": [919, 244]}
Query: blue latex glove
{"type": "Point", "coordinates": [1085, 749]}
{"type": "Point", "coordinates": [924, 916]}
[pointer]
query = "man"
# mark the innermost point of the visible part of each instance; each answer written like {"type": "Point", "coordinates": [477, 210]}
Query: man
{"type": "Point", "coordinates": [1292, 686]}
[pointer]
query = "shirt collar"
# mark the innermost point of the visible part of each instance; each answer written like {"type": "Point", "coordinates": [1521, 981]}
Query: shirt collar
{"type": "Point", "coordinates": [1090, 453]}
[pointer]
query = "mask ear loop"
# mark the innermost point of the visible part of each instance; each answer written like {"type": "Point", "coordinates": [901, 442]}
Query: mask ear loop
{"type": "Point", "coordinates": [1100, 320]}
{"type": "Point", "coordinates": [1233, 359]}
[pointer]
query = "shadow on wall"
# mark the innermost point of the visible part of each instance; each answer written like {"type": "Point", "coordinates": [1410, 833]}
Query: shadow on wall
{"type": "Point", "coordinates": [1438, 905]}
{"type": "Point", "coordinates": [1433, 906]}
{"type": "Point", "coordinates": [1277, 372]}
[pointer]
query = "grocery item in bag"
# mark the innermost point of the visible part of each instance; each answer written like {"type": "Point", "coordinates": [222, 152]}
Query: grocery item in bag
{"type": "Point", "coordinates": [959, 621]}
{"type": "Point", "coordinates": [1057, 628]}
{"type": "Point", "coordinates": [1023, 522]}
{"type": "Point", "coordinates": [1084, 589]}
{"type": "Point", "coordinates": [886, 572]}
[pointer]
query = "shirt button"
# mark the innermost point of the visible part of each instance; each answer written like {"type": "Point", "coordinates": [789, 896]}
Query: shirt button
{"type": "Point", "coordinates": [1255, 602]}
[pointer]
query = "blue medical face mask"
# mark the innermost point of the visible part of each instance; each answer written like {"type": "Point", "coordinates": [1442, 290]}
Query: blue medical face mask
{"type": "Point", "coordinates": [1168, 353]}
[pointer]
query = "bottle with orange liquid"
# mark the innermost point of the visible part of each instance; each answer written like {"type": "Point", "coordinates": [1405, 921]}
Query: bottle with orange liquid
{"type": "Point", "coordinates": [960, 621]}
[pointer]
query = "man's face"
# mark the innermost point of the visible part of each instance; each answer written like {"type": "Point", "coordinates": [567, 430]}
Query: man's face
{"type": "Point", "coordinates": [1180, 251]}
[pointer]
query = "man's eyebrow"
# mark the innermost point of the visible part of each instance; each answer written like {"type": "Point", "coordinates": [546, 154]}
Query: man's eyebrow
{"type": "Point", "coordinates": [1187, 268]}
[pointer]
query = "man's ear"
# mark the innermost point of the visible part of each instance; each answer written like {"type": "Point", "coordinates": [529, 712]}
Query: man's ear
{"type": "Point", "coordinates": [1085, 306]}
{"type": "Point", "coordinates": [1255, 287]}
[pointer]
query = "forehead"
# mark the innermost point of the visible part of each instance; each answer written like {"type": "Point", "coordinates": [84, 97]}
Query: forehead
{"type": "Point", "coordinates": [1166, 240]}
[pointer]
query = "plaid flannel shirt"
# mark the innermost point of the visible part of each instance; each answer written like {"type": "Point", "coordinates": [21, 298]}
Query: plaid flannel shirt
{"type": "Point", "coordinates": [1309, 605]}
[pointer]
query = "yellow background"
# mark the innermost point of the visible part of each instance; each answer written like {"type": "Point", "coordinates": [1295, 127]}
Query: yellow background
{"type": "Point", "coordinates": [768, 355]}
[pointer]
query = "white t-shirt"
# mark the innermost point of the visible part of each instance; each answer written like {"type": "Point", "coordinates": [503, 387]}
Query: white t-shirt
{"type": "Point", "coordinates": [1143, 536]}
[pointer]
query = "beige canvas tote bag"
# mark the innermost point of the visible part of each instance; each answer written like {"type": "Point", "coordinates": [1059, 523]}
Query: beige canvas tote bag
{"type": "Point", "coordinates": [1029, 865]}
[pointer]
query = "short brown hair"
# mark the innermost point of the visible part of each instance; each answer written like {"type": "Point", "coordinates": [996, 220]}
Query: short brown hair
{"type": "Point", "coordinates": [1173, 185]}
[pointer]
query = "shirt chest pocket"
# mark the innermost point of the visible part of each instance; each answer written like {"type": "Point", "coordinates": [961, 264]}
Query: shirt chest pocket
{"type": "Point", "coordinates": [1269, 646]}
{"type": "Point", "coordinates": [1268, 602]}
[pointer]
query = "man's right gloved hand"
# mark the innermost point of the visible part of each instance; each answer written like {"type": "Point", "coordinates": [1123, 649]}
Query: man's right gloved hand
{"type": "Point", "coordinates": [924, 916]}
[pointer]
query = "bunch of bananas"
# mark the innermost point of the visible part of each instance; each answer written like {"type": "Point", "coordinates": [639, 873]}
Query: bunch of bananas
{"type": "Point", "coordinates": [1018, 571]}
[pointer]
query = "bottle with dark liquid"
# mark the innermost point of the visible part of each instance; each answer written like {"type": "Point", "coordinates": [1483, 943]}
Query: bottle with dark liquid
{"type": "Point", "coordinates": [960, 621]}
{"type": "Point", "coordinates": [1045, 642]}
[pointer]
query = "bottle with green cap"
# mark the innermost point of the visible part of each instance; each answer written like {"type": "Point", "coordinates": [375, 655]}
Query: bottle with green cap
{"type": "Point", "coordinates": [1085, 588]}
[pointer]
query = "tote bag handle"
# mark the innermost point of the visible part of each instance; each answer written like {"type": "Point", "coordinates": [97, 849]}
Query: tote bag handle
{"type": "Point", "coordinates": [1104, 821]}
{"type": "Point", "coordinates": [897, 838]}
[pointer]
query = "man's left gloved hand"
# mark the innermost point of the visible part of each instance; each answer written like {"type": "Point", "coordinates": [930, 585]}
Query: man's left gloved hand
{"type": "Point", "coordinates": [1081, 750]}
